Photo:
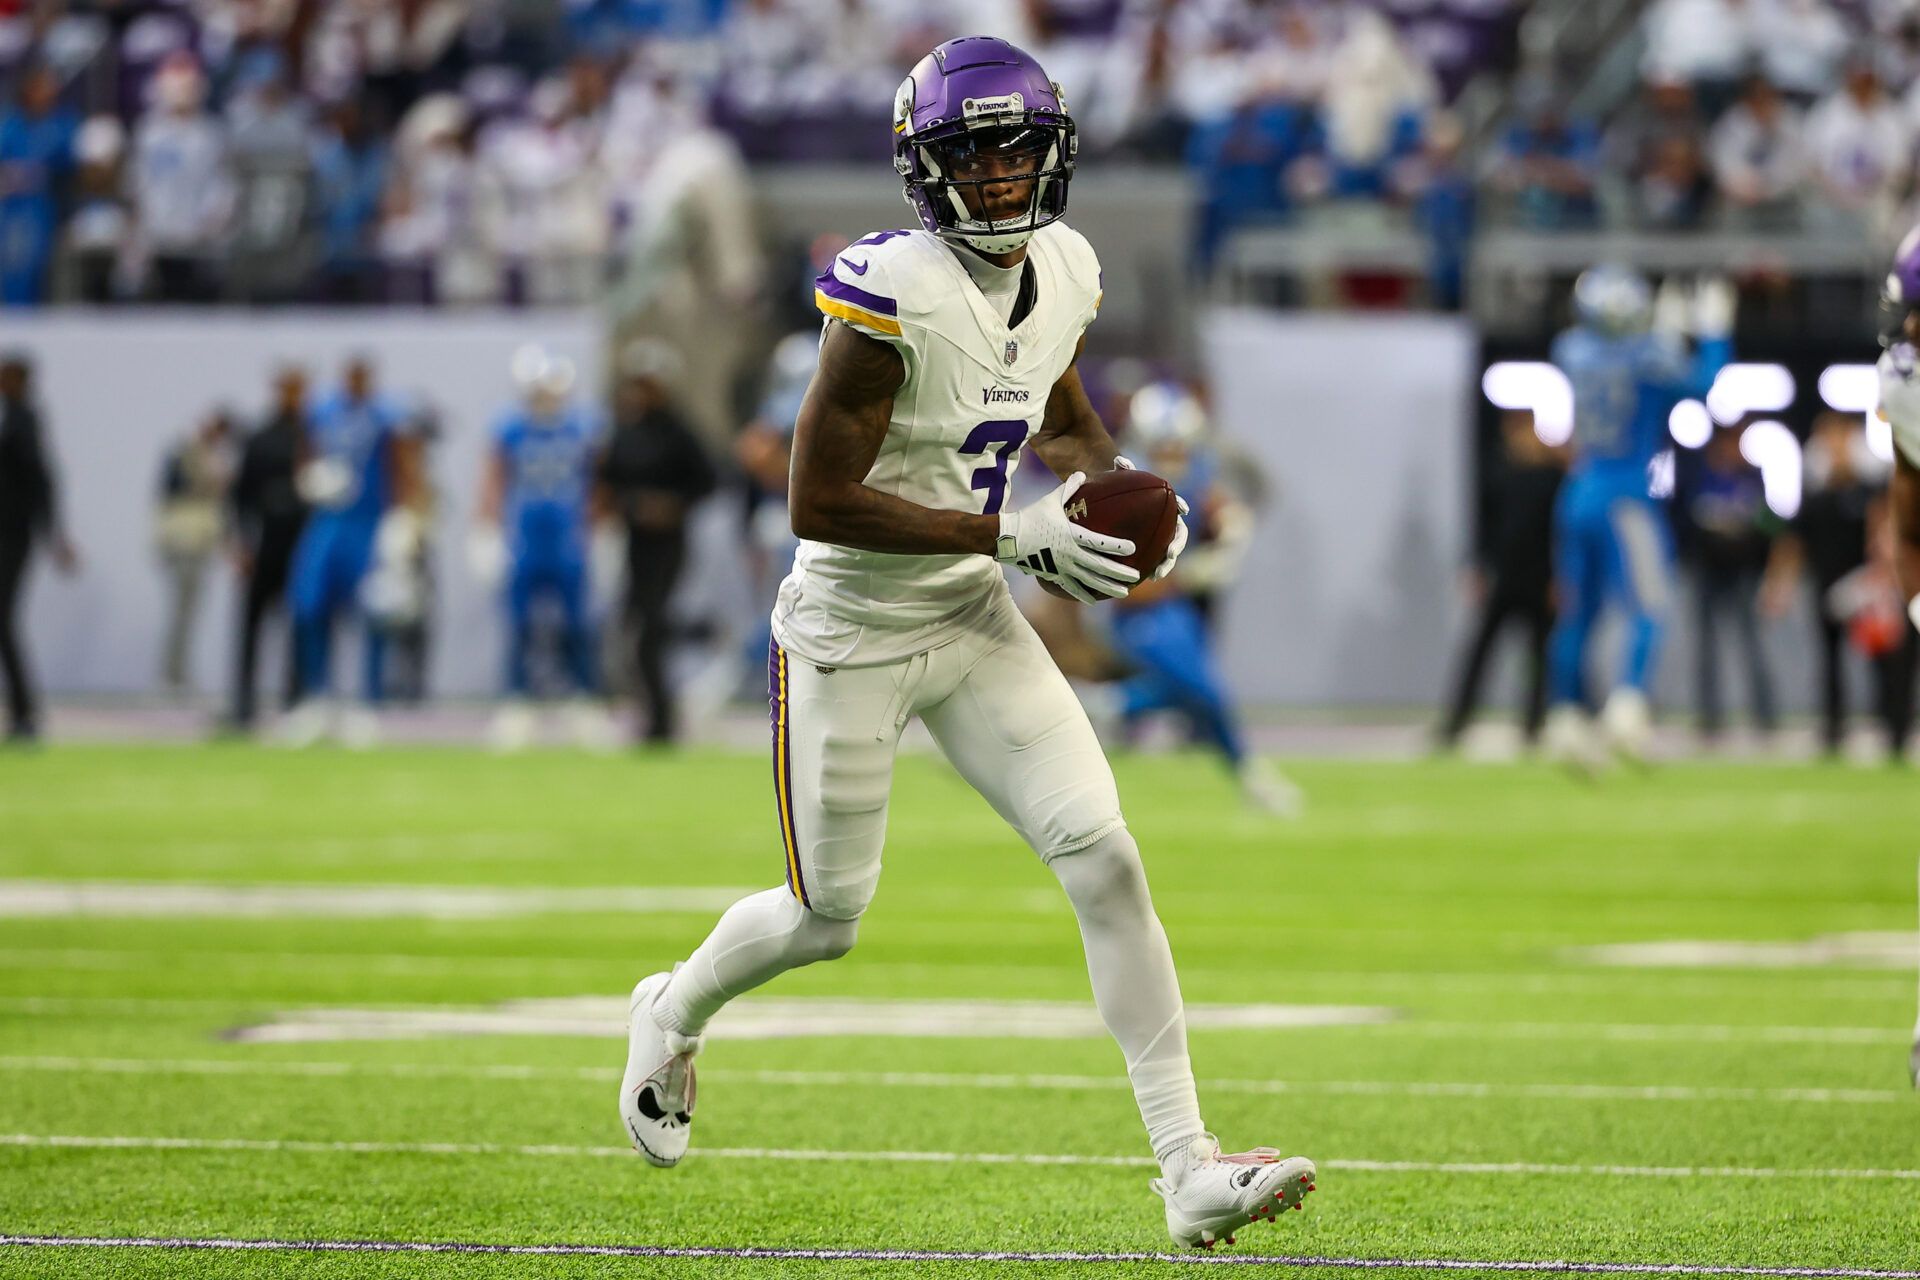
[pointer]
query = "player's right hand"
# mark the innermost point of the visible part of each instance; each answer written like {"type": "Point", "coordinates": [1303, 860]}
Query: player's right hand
{"type": "Point", "coordinates": [323, 482]}
{"type": "Point", "coordinates": [1715, 302]}
{"type": "Point", "coordinates": [487, 555]}
{"type": "Point", "coordinates": [1047, 545]}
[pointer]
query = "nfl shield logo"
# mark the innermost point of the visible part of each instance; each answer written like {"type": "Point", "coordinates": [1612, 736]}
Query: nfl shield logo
{"type": "Point", "coordinates": [1013, 351]}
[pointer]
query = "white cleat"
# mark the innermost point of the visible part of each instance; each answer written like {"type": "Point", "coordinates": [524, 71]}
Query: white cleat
{"type": "Point", "coordinates": [1628, 722]}
{"type": "Point", "coordinates": [1213, 1195]}
{"type": "Point", "coordinates": [1265, 788]}
{"type": "Point", "coordinates": [512, 727]}
{"type": "Point", "coordinates": [1568, 740]}
{"type": "Point", "coordinates": [657, 1092]}
{"type": "Point", "coordinates": [307, 724]}
{"type": "Point", "coordinates": [590, 727]}
{"type": "Point", "coordinates": [359, 729]}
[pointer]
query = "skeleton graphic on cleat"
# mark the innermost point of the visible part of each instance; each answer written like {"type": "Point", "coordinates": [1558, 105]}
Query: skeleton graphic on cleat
{"type": "Point", "coordinates": [948, 352]}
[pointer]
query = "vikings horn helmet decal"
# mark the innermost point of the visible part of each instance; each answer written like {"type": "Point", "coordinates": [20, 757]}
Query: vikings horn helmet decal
{"type": "Point", "coordinates": [1901, 293]}
{"type": "Point", "coordinates": [974, 95]}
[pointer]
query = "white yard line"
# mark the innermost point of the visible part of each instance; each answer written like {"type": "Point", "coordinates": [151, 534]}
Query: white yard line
{"type": "Point", "coordinates": [1646, 1031]}
{"type": "Point", "coordinates": [917, 1256]}
{"type": "Point", "coordinates": [959, 1080]}
{"type": "Point", "coordinates": [120, 899]}
{"type": "Point", "coordinates": [1883, 949]}
{"type": "Point", "coordinates": [1610, 1031]}
{"type": "Point", "coordinates": [1800, 983]}
{"type": "Point", "coordinates": [123, 1142]}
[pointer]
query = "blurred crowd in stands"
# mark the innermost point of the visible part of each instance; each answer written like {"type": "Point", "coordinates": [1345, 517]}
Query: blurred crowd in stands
{"type": "Point", "coordinates": [1751, 115]}
{"type": "Point", "coordinates": [510, 150]}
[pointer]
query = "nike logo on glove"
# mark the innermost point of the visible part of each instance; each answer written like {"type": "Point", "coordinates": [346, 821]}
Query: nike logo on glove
{"type": "Point", "coordinates": [858, 268]}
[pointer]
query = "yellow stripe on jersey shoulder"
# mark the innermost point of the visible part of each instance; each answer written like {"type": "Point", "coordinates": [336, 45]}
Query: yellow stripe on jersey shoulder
{"type": "Point", "coordinates": [855, 315]}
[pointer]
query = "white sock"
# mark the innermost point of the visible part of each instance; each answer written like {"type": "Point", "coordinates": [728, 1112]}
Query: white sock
{"type": "Point", "coordinates": [1135, 987]}
{"type": "Point", "coordinates": [760, 937]}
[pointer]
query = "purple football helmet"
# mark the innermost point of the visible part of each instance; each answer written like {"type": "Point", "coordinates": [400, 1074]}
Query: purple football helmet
{"type": "Point", "coordinates": [970, 98]}
{"type": "Point", "coordinates": [1901, 293]}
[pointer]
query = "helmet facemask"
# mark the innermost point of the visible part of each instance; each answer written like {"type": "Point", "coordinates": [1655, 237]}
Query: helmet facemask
{"type": "Point", "coordinates": [1895, 308]}
{"type": "Point", "coordinates": [956, 175]}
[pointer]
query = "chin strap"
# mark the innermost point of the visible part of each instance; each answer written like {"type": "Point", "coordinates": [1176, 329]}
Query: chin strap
{"type": "Point", "coordinates": [1913, 612]}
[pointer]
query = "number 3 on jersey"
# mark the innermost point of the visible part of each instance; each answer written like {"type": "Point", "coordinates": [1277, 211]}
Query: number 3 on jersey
{"type": "Point", "coordinates": [1005, 439]}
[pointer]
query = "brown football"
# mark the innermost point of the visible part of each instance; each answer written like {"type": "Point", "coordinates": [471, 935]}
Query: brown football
{"type": "Point", "coordinates": [1135, 505]}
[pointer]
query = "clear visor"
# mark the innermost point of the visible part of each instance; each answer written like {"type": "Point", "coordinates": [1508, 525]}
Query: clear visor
{"type": "Point", "coordinates": [1003, 153]}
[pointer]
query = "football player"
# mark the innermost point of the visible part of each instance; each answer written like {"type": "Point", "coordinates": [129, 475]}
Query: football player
{"type": "Point", "coordinates": [534, 517]}
{"type": "Point", "coordinates": [1899, 370]}
{"type": "Point", "coordinates": [946, 349]}
{"type": "Point", "coordinates": [1613, 541]}
{"type": "Point", "coordinates": [360, 476]}
{"type": "Point", "coordinates": [1159, 629]}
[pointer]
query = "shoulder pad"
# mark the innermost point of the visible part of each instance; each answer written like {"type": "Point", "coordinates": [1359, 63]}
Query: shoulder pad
{"type": "Point", "coordinates": [1900, 399]}
{"type": "Point", "coordinates": [1078, 262]}
{"type": "Point", "coordinates": [877, 282]}
{"type": "Point", "coordinates": [1076, 254]}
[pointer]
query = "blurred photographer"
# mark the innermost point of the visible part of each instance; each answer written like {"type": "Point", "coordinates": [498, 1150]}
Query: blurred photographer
{"type": "Point", "coordinates": [193, 487]}
{"type": "Point", "coordinates": [267, 515]}
{"type": "Point", "coordinates": [654, 473]}
{"type": "Point", "coordinates": [29, 513]}
{"type": "Point", "coordinates": [1511, 580]}
{"type": "Point", "coordinates": [1826, 545]}
{"type": "Point", "coordinates": [1727, 533]}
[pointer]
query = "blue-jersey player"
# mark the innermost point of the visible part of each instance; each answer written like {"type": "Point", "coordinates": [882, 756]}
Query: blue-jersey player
{"type": "Point", "coordinates": [1159, 629]}
{"type": "Point", "coordinates": [537, 501]}
{"type": "Point", "coordinates": [1613, 540]}
{"type": "Point", "coordinates": [360, 475]}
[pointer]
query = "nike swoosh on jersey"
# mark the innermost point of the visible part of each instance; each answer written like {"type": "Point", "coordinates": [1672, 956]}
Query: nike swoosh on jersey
{"type": "Point", "coordinates": [858, 268]}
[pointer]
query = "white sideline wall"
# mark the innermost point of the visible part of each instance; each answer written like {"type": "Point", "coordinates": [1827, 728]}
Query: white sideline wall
{"type": "Point", "coordinates": [118, 388]}
{"type": "Point", "coordinates": [1348, 586]}
{"type": "Point", "coordinates": [1363, 424]}
{"type": "Point", "coordinates": [1364, 428]}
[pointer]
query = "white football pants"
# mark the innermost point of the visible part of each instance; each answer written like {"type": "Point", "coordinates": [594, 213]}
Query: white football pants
{"type": "Point", "coordinates": [1005, 717]}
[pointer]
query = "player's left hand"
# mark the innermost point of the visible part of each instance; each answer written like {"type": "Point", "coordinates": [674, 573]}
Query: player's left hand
{"type": "Point", "coordinates": [1179, 543]}
{"type": "Point", "coordinates": [399, 536]}
{"type": "Point", "coordinates": [1715, 302]}
{"type": "Point", "coordinates": [1175, 547]}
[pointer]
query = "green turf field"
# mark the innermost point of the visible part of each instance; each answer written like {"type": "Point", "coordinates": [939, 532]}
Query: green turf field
{"type": "Point", "coordinates": [1523, 1101]}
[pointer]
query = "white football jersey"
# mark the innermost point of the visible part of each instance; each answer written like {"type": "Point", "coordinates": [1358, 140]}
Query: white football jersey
{"type": "Point", "coordinates": [1900, 398]}
{"type": "Point", "coordinates": [975, 392]}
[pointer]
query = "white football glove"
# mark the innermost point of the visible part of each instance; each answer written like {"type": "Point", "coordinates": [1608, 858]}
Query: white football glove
{"type": "Point", "coordinates": [1672, 308]}
{"type": "Point", "coordinates": [324, 482]}
{"type": "Point", "coordinates": [400, 536]}
{"type": "Point", "coordinates": [1040, 540]}
{"type": "Point", "coordinates": [487, 555]}
{"type": "Point", "coordinates": [1179, 542]}
{"type": "Point", "coordinates": [1715, 301]}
